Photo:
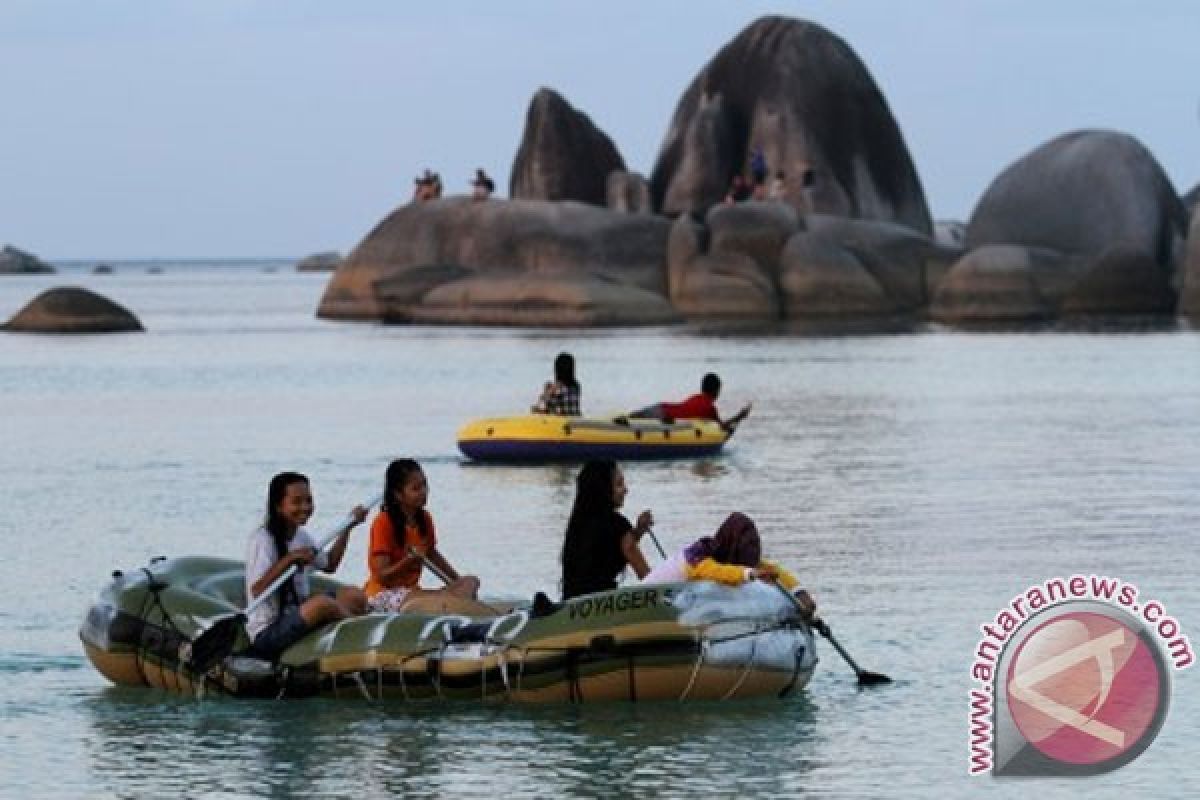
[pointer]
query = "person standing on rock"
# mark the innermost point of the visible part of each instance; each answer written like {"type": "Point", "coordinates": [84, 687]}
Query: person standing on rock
{"type": "Point", "coordinates": [758, 174]}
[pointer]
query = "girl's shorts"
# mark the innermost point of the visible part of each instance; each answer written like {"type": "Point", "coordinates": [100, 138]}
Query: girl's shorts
{"type": "Point", "coordinates": [388, 600]}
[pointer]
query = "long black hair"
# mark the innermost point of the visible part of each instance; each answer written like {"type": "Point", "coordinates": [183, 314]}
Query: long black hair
{"type": "Point", "coordinates": [278, 527]}
{"type": "Point", "coordinates": [398, 473]}
{"type": "Point", "coordinates": [275, 524]}
{"type": "Point", "coordinates": [564, 370]}
{"type": "Point", "coordinates": [593, 500]}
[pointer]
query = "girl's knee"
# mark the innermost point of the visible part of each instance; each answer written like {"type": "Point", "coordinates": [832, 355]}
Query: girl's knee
{"type": "Point", "coordinates": [352, 600]}
{"type": "Point", "coordinates": [319, 609]}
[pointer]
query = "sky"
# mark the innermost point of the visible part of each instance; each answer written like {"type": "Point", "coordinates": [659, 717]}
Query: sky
{"type": "Point", "coordinates": [247, 128]}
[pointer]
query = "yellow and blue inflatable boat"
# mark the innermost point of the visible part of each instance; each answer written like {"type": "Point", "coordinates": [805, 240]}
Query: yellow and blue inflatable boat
{"type": "Point", "coordinates": [547, 437]}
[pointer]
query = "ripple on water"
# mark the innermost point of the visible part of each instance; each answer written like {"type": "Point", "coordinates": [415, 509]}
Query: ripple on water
{"type": "Point", "coordinates": [17, 663]}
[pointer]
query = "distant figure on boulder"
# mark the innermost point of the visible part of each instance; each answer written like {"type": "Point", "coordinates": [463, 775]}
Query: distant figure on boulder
{"type": "Point", "coordinates": [739, 190]}
{"type": "Point", "coordinates": [702, 405]}
{"type": "Point", "coordinates": [778, 187]}
{"type": "Point", "coordinates": [428, 186]}
{"type": "Point", "coordinates": [758, 175]}
{"type": "Point", "coordinates": [561, 395]}
{"type": "Point", "coordinates": [758, 166]}
{"type": "Point", "coordinates": [482, 186]}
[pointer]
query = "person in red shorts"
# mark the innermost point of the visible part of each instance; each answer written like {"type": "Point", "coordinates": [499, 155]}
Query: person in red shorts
{"type": "Point", "coordinates": [702, 405]}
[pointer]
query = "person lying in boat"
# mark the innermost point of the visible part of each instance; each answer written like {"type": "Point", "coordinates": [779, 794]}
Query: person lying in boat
{"type": "Point", "coordinates": [560, 396]}
{"type": "Point", "coordinates": [599, 542]}
{"type": "Point", "coordinates": [281, 542]}
{"type": "Point", "coordinates": [403, 538]}
{"type": "Point", "coordinates": [731, 556]}
{"type": "Point", "coordinates": [702, 405]}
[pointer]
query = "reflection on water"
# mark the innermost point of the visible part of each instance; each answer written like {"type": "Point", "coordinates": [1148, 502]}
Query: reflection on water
{"type": "Point", "coordinates": [283, 749]}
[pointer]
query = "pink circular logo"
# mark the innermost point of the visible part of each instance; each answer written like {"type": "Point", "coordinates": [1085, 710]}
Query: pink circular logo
{"type": "Point", "coordinates": [1084, 688]}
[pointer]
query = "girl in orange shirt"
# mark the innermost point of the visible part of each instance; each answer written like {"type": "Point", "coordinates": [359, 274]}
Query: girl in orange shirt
{"type": "Point", "coordinates": [394, 559]}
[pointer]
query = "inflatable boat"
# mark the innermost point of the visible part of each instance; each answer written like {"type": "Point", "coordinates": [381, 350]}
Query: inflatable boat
{"type": "Point", "coordinates": [693, 641]}
{"type": "Point", "coordinates": [548, 437]}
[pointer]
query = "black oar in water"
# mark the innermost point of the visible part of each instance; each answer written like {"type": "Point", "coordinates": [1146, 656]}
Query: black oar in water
{"type": "Point", "coordinates": [865, 677]}
{"type": "Point", "coordinates": [217, 641]}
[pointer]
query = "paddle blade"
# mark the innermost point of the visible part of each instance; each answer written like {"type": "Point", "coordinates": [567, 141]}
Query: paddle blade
{"type": "Point", "coordinates": [215, 643]}
{"type": "Point", "coordinates": [866, 678]}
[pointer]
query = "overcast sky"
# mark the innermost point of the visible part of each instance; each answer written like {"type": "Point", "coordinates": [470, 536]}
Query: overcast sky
{"type": "Point", "coordinates": [230, 128]}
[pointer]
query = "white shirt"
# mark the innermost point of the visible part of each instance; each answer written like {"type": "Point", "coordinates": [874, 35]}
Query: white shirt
{"type": "Point", "coordinates": [673, 570]}
{"type": "Point", "coordinates": [261, 555]}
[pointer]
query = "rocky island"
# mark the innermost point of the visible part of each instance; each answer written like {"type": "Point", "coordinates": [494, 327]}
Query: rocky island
{"type": "Point", "coordinates": [783, 192]}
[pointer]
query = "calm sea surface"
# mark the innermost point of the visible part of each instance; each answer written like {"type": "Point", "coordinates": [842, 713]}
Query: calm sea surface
{"type": "Point", "coordinates": [916, 482]}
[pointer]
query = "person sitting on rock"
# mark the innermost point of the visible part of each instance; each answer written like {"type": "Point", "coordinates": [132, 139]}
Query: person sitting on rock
{"type": "Point", "coordinates": [426, 186]}
{"type": "Point", "coordinates": [702, 405]}
{"type": "Point", "coordinates": [560, 396]}
{"type": "Point", "coordinates": [732, 556]}
{"type": "Point", "coordinates": [778, 187]}
{"type": "Point", "coordinates": [482, 186]}
{"type": "Point", "coordinates": [739, 190]}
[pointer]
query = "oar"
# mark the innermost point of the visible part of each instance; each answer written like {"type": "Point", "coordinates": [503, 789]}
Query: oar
{"type": "Point", "coordinates": [865, 677]}
{"type": "Point", "coordinates": [442, 576]}
{"type": "Point", "coordinates": [654, 539]}
{"type": "Point", "coordinates": [217, 641]}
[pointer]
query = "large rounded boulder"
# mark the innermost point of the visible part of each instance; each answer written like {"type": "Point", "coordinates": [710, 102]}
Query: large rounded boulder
{"type": "Point", "coordinates": [798, 94]}
{"type": "Point", "coordinates": [1101, 219]}
{"type": "Point", "coordinates": [563, 155]}
{"type": "Point", "coordinates": [1189, 294]}
{"type": "Point", "coordinates": [859, 270]}
{"type": "Point", "coordinates": [73, 310]}
{"type": "Point", "coordinates": [506, 262]}
{"type": "Point", "coordinates": [728, 267]}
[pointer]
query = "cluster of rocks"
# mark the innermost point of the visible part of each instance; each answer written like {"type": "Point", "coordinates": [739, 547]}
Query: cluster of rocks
{"type": "Point", "coordinates": [18, 262]}
{"type": "Point", "coordinates": [1085, 225]}
{"type": "Point", "coordinates": [320, 262]}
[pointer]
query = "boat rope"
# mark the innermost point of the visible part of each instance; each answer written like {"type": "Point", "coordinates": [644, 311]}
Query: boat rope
{"type": "Point", "coordinates": [701, 653]}
{"type": "Point", "coordinates": [631, 669]}
{"type": "Point", "coordinates": [151, 640]}
{"type": "Point", "coordinates": [745, 670]}
{"type": "Point", "coordinates": [362, 687]}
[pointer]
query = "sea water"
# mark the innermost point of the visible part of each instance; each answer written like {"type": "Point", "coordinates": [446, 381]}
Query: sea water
{"type": "Point", "coordinates": [915, 482]}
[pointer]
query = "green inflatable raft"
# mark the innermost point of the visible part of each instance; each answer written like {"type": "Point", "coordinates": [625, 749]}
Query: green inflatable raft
{"type": "Point", "coordinates": [694, 641]}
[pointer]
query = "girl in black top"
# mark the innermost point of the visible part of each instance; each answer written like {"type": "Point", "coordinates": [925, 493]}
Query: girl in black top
{"type": "Point", "coordinates": [600, 542]}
